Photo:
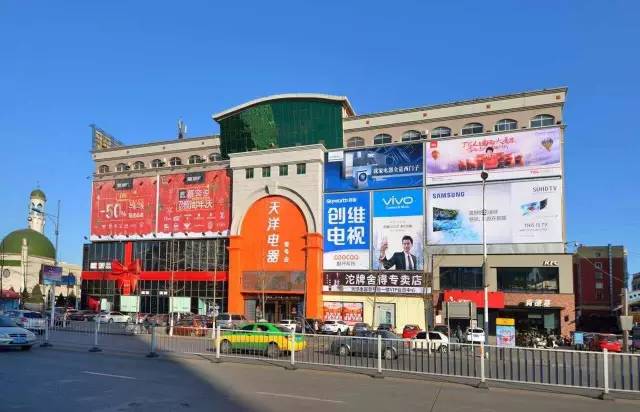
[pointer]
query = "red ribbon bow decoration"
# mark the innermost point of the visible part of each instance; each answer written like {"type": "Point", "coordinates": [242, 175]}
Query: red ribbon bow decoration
{"type": "Point", "coordinates": [127, 276]}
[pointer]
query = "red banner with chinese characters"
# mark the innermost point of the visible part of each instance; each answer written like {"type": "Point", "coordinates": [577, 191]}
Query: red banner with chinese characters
{"type": "Point", "coordinates": [195, 204]}
{"type": "Point", "coordinates": [123, 207]}
{"type": "Point", "coordinates": [496, 299]}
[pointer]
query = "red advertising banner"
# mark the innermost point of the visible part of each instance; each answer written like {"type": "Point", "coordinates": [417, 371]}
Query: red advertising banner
{"type": "Point", "coordinates": [332, 310]}
{"type": "Point", "coordinates": [194, 204]}
{"type": "Point", "coordinates": [123, 207]}
{"type": "Point", "coordinates": [349, 312]}
{"type": "Point", "coordinates": [496, 299]}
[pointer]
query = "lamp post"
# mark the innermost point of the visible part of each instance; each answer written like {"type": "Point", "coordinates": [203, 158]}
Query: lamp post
{"type": "Point", "coordinates": [484, 175]}
{"type": "Point", "coordinates": [55, 256]}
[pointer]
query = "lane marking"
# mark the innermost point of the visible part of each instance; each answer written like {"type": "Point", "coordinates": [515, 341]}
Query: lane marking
{"type": "Point", "coordinates": [305, 398]}
{"type": "Point", "coordinates": [110, 375]}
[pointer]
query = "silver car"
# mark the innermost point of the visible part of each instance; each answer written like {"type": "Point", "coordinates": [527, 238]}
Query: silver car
{"type": "Point", "coordinates": [11, 335]}
{"type": "Point", "coordinates": [27, 319]}
{"type": "Point", "coordinates": [230, 321]}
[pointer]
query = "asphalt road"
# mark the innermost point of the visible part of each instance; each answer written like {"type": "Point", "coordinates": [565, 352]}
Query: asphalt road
{"type": "Point", "coordinates": [59, 379]}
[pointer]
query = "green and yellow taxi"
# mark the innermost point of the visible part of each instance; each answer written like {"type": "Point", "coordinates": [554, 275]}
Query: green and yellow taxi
{"type": "Point", "coordinates": [261, 337]}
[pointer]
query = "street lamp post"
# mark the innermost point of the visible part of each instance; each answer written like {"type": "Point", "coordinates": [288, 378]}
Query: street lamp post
{"type": "Point", "coordinates": [484, 175]}
{"type": "Point", "coordinates": [55, 257]}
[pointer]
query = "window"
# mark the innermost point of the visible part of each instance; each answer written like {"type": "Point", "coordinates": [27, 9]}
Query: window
{"type": "Point", "coordinates": [505, 124]}
{"type": "Point", "coordinates": [138, 165]}
{"type": "Point", "coordinates": [103, 169]}
{"type": "Point", "coordinates": [248, 173]}
{"type": "Point", "coordinates": [175, 161]}
{"type": "Point", "coordinates": [599, 276]}
{"type": "Point", "coordinates": [411, 135]}
{"type": "Point", "coordinates": [266, 171]}
{"type": "Point", "coordinates": [528, 279]}
{"type": "Point", "coordinates": [382, 138]}
{"type": "Point", "coordinates": [214, 157]}
{"type": "Point", "coordinates": [599, 295]}
{"type": "Point", "coordinates": [471, 128]}
{"type": "Point", "coordinates": [301, 168]}
{"type": "Point", "coordinates": [156, 163]}
{"type": "Point", "coordinates": [122, 167]}
{"type": "Point", "coordinates": [195, 159]}
{"type": "Point", "coordinates": [460, 278]}
{"type": "Point", "coordinates": [440, 132]}
{"type": "Point", "coordinates": [542, 120]}
{"type": "Point", "coordinates": [355, 141]}
{"type": "Point", "coordinates": [283, 170]}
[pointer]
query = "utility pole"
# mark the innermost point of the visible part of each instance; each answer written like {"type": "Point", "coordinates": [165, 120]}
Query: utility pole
{"type": "Point", "coordinates": [484, 175]}
{"type": "Point", "coordinates": [625, 310]}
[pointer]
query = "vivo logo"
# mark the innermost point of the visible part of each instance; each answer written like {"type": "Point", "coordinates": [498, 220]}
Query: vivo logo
{"type": "Point", "coordinates": [398, 201]}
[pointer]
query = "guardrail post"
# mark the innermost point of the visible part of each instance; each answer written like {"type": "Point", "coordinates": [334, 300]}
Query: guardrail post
{"type": "Point", "coordinates": [46, 343]}
{"type": "Point", "coordinates": [152, 353]}
{"type": "Point", "coordinates": [218, 342]}
{"type": "Point", "coordinates": [379, 373]}
{"type": "Point", "coordinates": [95, 338]}
{"type": "Point", "coordinates": [292, 350]}
{"type": "Point", "coordinates": [483, 379]}
{"type": "Point", "coordinates": [605, 368]}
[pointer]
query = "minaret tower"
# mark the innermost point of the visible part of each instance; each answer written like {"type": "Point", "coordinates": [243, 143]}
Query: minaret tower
{"type": "Point", "coordinates": [36, 210]}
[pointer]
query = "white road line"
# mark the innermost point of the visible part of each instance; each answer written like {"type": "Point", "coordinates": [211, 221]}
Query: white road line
{"type": "Point", "coordinates": [110, 375]}
{"type": "Point", "coordinates": [306, 398]}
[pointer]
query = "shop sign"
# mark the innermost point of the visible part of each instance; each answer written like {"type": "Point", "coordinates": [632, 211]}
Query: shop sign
{"type": "Point", "coordinates": [374, 282]}
{"type": "Point", "coordinates": [550, 263]}
{"type": "Point", "coordinates": [538, 303]}
{"type": "Point", "coordinates": [496, 299]}
{"type": "Point", "coordinates": [505, 322]}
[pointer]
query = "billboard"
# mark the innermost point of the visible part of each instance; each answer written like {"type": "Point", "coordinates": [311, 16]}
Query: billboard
{"type": "Point", "coordinates": [410, 283]}
{"type": "Point", "coordinates": [346, 231]}
{"type": "Point", "coordinates": [531, 153]}
{"type": "Point", "coordinates": [381, 167]}
{"type": "Point", "coordinates": [349, 312]}
{"type": "Point", "coordinates": [123, 207]}
{"type": "Point", "coordinates": [397, 230]}
{"type": "Point", "coordinates": [516, 212]}
{"type": "Point", "coordinates": [194, 204]}
{"type": "Point", "coordinates": [51, 275]}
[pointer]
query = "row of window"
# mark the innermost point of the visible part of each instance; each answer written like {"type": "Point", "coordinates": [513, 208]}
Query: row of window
{"type": "Point", "coordinates": [523, 279]}
{"type": "Point", "coordinates": [283, 170]}
{"type": "Point", "coordinates": [503, 125]}
{"type": "Point", "coordinates": [157, 163]}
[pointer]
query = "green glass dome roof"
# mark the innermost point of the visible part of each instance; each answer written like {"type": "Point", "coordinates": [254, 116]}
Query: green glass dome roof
{"type": "Point", "coordinates": [37, 193]}
{"type": "Point", "coordinates": [37, 243]}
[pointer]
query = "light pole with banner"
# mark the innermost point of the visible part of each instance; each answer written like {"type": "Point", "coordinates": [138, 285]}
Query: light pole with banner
{"type": "Point", "coordinates": [55, 257]}
{"type": "Point", "coordinates": [484, 175]}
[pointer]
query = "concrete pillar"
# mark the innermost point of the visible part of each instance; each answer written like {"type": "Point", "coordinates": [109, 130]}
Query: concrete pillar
{"type": "Point", "coordinates": [314, 308]}
{"type": "Point", "coordinates": [234, 284]}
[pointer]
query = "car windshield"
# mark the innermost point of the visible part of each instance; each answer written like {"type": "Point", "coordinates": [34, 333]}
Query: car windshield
{"type": "Point", "coordinates": [6, 322]}
{"type": "Point", "coordinates": [610, 338]}
{"type": "Point", "coordinates": [475, 331]}
{"type": "Point", "coordinates": [330, 322]}
{"type": "Point", "coordinates": [32, 315]}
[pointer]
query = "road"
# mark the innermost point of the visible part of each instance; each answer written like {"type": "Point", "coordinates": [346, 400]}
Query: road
{"type": "Point", "coordinates": [73, 380]}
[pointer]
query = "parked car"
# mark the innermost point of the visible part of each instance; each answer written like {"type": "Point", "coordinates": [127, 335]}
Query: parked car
{"type": "Point", "coordinates": [360, 328]}
{"type": "Point", "coordinates": [635, 338]}
{"type": "Point", "coordinates": [288, 324]}
{"type": "Point", "coordinates": [194, 326]}
{"type": "Point", "coordinates": [367, 345]}
{"type": "Point", "coordinates": [335, 327]}
{"type": "Point", "coordinates": [606, 341]}
{"type": "Point", "coordinates": [474, 335]}
{"type": "Point", "coordinates": [112, 317]}
{"type": "Point", "coordinates": [387, 326]}
{"type": "Point", "coordinates": [82, 315]}
{"type": "Point", "coordinates": [430, 341]}
{"type": "Point", "coordinates": [262, 336]}
{"type": "Point", "coordinates": [12, 335]}
{"type": "Point", "coordinates": [410, 331]}
{"type": "Point", "coordinates": [230, 321]}
{"type": "Point", "coordinates": [28, 319]}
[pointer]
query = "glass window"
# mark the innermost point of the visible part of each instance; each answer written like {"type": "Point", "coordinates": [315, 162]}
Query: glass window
{"type": "Point", "coordinates": [283, 170]}
{"type": "Point", "coordinates": [411, 135]}
{"type": "Point", "coordinates": [505, 124]}
{"type": "Point", "coordinates": [175, 161]}
{"type": "Point", "coordinates": [103, 169]}
{"type": "Point", "coordinates": [121, 167]}
{"type": "Point", "coordinates": [382, 138]}
{"type": "Point", "coordinates": [195, 159]}
{"type": "Point", "coordinates": [440, 132]}
{"type": "Point", "coordinates": [472, 128]}
{"type": "Point", "coordinates": [214, 157]}
{"type": "Point", "coordinates": [528, 279]}
{"type": "Point", "coordinates": [138, 165]}
{"type": "Point", "coordinates": [355, 141]}
{"type": "Point", "coordinates": [301, 168]}
{"type": "Point", "coordinates": [156, 163]}
{"type": "Point", "coordinates": [248, 173]}
{"type": "Point", "coordinates": [266, 171]}
{"type": "Point", "coordinates": [542, 120]}
{"type": "Point", "coordinates": [460, 278]}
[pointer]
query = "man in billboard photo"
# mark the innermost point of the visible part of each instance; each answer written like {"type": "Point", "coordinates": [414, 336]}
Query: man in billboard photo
{"type": "Point", "coordinates": [400, 260]}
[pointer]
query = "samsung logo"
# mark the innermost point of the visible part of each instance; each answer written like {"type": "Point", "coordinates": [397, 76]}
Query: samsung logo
{"type": "Point", "coordinates": [545, 189]}
{"type": "Point", "coordinates": [447, 195]}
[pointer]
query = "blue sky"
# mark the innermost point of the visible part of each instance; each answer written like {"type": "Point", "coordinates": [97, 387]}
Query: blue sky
{"type": "Point", "coordinates": [133, 68]}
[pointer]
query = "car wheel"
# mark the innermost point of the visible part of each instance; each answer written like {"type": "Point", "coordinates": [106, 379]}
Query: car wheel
{"type": "Point", "coordinates": [388, 354]}
{"type": "Point", "coordinates": [444, 349]}
{"type": "Point", "coordinates": [110, 320]}
{"type": "Point", "coordinates": [225, 346]}
{"type": "Point", "coordinates": [343, 350]}
{"type": "Point", "coordinates": [25, 348]}
{"type": "Point", "coordinates": [273, 351]}
{"type": "Point", "coordinates": [339, 332]}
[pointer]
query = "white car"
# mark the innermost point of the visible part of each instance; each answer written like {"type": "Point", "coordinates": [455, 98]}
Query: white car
{"type": "Point", "coordinates": [337, 327]}
{"type": "Point", "coordinates": [288, 324]}
{"type": "Point", "coordinates": [11, 335]}
{"type": "Point", "coordinates": [112, 317]}
{"type": "Point", "coordinates": [430, 341]}
{"type": "Point", "coordinates": [474, 335]}
{"type": "Point", "coordinates": [27, 319]}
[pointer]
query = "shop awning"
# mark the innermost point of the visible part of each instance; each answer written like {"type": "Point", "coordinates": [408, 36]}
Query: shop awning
{"type": "Point", "coordinates": [496, 299]}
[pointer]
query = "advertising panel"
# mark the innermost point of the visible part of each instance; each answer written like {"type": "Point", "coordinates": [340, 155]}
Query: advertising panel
{"type": "Point", "coordinates": [332, 310]}
{"type": "Point", "coordinates": [346, 231]}
{"type": "Point", "coordinates": [516, 212]}
{"type": "Point", "coordinates": [381, 167]}
{"type": "Point", "coordinates": [349, 312]}
{"type": "Point", "coordinates": [410, 283]}
{"type": "Point", "coordinates": [51, 275]}
{"type": "Point", "coordinates": [506, 332]}
{"type": "Point", "coordinates": [194, 204]}
{"type": "Point", "coordinates": [398, 230]}
{"type": "Point", "coordinates": [522, 154]}
{"type": "Point", "coordinates": [129, 303]}
{"type": "Point", "coordinates": [123, 207]}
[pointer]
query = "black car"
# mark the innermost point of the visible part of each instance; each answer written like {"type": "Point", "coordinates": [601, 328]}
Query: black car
{"type": "Point", "coordinates": [366, 344]}
{"type": "Point", "coordinates": [82, 315]}
{"type": "Point", "coordinates": [361, 328]}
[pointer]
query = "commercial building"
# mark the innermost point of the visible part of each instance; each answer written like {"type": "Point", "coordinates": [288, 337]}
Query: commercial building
{"type": "Point", "coordinates": [305, 208]}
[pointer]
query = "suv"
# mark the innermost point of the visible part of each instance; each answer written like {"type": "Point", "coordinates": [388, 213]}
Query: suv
{"type": "Point", "coordinates": [410, 331]}
{"type": "Point", "coordinates": [27, 319]}
{"type": "Point", "coordinates": [112, 317]}
{"type": "Point", "coordinates": [474, 335]}
{"type": "Point", "coordinates": [288, 324]}
{"type": "Point", "coordinates": [230, 321]}
{"type": "Point", "coordinates": [337, 327]}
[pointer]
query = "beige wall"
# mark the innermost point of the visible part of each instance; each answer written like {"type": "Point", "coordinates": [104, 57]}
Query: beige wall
{"type": "Point", "coordinates": [494, 261]}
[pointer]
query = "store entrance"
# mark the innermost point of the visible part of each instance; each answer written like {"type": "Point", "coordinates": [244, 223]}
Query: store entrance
{"type": "Point", "coordinates": [275, 308]}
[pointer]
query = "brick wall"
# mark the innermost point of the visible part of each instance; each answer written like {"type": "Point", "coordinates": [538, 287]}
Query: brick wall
{"type": "Point", "coordinates": [564, 301]}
